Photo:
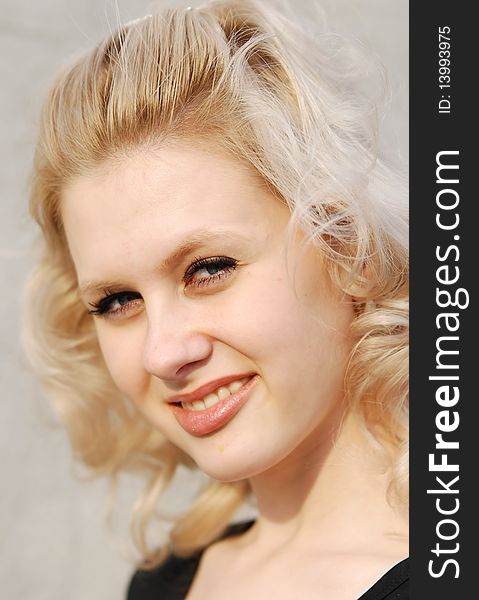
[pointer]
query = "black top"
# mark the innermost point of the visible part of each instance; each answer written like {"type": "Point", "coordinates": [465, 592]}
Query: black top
{"type": "Point", "coordinates": [172, 579]}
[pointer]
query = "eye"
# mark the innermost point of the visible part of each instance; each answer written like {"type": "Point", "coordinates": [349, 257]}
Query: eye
{"type": "Point", "coordinates": [116, 304]}
{"type": "Point", "coordinates": [206, 271]}
{"type": "Point", "coordinates": [203, 272]}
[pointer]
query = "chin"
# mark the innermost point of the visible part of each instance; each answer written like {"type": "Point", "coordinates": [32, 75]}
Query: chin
{"type": "Point", "coordinates": [225, 470]}
{"type": "Point", "coordinates": [234, 464]}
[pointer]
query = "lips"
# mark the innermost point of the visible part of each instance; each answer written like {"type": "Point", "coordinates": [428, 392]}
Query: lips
{"type": "Point", "coordinates": [202, 422]}
{"type": "Point", "coordinates": [208, 388]}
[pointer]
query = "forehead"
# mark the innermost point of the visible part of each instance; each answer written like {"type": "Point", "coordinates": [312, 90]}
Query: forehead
{"type": "Point", "coordinates": [162, 196]}
{"type": "Point", "coordinates": [169, 179]}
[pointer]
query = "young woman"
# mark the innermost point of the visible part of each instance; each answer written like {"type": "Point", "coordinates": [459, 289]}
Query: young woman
{"type": "Point", "coordinates": [224, 286]}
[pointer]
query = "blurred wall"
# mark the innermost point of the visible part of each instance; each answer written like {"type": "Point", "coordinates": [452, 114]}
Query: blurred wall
{"type": "Point", "coordinates": [53, 542]}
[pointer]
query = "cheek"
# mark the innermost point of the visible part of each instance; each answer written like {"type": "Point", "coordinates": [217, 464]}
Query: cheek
{"type": "Point", "coordinates": [122, 352]}
{"type": "Point", "coordinates": [268, 319]}
{"type": "Point", "coordinates": [253, 315]}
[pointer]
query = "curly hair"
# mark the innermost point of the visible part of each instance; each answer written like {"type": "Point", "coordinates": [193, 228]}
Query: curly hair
{"type": "Point", "coordinates": [291, 104]}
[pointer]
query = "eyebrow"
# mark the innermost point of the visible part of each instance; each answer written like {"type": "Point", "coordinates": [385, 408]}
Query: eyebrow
{"type": "Point", "coordinates": [192, 243]}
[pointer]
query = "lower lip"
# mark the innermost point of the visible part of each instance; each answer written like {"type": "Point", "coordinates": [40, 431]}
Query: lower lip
{"type": "Point", "coordinates": [202, 422]}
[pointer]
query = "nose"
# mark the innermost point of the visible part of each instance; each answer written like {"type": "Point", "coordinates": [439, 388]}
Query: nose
{"type": "Point", "coordinates": [173, 348]}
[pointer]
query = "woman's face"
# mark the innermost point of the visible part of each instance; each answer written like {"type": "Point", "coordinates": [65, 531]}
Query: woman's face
{"type": "Point", "coordinates": [182, 254]}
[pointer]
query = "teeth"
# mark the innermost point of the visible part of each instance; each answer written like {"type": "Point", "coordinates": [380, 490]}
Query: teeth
{"type": "Point", "coordinates": [223, 392]}
{"type": "Point", "coordinates": [216, 396]}
{"type": "Point", "coordinates": [210, 400]}
{"type": "Point", "coordinates": [235, 386]}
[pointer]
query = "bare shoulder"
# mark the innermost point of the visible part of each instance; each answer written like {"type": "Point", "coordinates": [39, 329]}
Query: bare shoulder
{"type": "Point", "coordinates": [227, 570]}
{"type": "Point", "coordinates": [212, 572]}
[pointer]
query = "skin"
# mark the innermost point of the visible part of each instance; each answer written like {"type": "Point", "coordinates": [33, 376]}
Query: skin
{"type": "Point", "coordinates": [320, 490]}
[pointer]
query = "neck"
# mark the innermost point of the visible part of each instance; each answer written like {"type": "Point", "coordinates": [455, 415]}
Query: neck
{"type": "Point", "coordinates": [332, 488]}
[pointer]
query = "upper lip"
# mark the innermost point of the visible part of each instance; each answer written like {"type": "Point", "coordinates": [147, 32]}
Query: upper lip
{"type": "Point", "coordinates": [207, 388]}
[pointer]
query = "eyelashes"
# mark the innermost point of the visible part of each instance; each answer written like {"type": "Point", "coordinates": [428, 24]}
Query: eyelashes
{"type": "Point", "coordinates": [116, 304]}
{"type": "Point", "coordinates": [217, 267]}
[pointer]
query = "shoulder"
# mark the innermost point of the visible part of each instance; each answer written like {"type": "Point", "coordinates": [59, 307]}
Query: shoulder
{"type": "Point", "coordinates": [393, 585]}
{"type": "Point", "coordinates": [171, 580]}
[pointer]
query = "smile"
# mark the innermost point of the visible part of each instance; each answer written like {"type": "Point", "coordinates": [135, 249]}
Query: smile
{"type": "Point", "coordinates": [213, 411]}
{"type": "Point", "coordinates": [216, 396]}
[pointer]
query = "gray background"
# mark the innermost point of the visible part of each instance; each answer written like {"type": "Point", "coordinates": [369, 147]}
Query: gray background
{"type": "Point", "coordinates": [53, 541]}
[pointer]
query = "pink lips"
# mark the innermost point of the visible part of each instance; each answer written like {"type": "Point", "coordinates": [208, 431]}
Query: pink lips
{"type": "Point", "coordinates": [202, 422]}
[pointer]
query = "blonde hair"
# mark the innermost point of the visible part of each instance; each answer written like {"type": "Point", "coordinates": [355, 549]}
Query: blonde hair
{"type": "Point", "coordinates": [286, 101]}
